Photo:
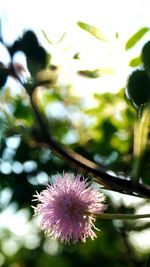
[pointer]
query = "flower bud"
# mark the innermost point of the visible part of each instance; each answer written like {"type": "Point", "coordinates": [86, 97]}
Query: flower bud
{"type": "Point", "coordinates": [138, 88]}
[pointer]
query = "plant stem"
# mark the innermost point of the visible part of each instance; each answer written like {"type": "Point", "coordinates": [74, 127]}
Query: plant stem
{"type": "Point", "coordinates": [111, 182]}
{"type": "Point", "coordinates": [112, 216]}
{"type": "Point", "coordinates": [141, 130]}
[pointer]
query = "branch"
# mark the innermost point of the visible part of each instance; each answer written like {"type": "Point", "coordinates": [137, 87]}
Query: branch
{"type": "Point", "coordinates": [107, 180]}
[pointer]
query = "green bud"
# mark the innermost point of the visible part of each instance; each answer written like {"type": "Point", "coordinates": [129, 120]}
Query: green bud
{"type": "Point", "coordinates": [138, 88]}
{"type": "Point", "coordinates": [146, 56]}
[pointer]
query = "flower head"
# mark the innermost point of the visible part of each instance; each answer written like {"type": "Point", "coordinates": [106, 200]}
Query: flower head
{"type": "Point", "coordinates": [67, 208]}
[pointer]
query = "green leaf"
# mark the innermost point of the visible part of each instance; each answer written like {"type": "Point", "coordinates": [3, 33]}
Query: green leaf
{"type": "Point", "coordinates": [52, 42]}
{"type": "Point", "coordinates": [76, 56]}
{"type": "Point", "coordinates": [135, 62]}
{"type": "Point", "coordinates": [92, 30]}
{"type": "Point", "coordinates": [90, 73]}
{"type": "Point", "coordinates": [95, 73]}
{"type": "Point", "coordinates": [22, 111]}
{"type": "Point", "coordinates": [49, 97]}
{"type": "Point", "coordinates": [136, 37]}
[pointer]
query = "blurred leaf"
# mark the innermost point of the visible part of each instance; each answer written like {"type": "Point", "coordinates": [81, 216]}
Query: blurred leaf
{"type": "Point", "coordinates": [90, 73]}
{"type": "Point", "coordinates": [92, 30]}
{"type": "Point", "coordinates": [51, 42]}
{"type": "Point", "coordinates": [76, 56]}
{"type": "Point", "coordinates": [37, 60]}
{"type": "Point", "coordinates": [95, 73]}
{"type": "Point", "coordinates": [37, 56]}
{"type": "Point", "coordinates": [16, 46]}
{"type": "Point", "coordinates": [3, 128]}
{"type": "Point", "coordinates": [49, 97]}
{"type": "Point", "coordinates": [46, 37]}
{"type": "Point", "coordinates": [47, 75]}
{"type": "Point", "coordinates": [29, 39]}
{"type": "Point", "coordinates": [135, 62]}
{"type": "Point", "coordinates": [136, 37]}
{"type": "Point", "coordinates": [117, 35]}
{"type": "Point", "coordinates": [23, 111]}
{"type": "Point", "coordinates": [62, 37]}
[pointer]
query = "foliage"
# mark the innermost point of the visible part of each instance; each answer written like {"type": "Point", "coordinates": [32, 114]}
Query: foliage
{"type": "Point", "coordinates": [92, 30]}
{"type": "Point", "coordinates": [102, 132]}
{"type": "Point", "coordinates": [136, 37]}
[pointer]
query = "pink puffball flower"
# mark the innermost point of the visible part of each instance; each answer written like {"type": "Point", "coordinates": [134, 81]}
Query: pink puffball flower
{"type": "Point", "coordinates": [68, 207]}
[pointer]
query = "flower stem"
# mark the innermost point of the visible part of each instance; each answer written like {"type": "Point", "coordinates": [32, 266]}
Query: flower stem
{"type": "Point", "coordinates": [112, 216]}
{"type": "Point", "coordinates": [140, 140]}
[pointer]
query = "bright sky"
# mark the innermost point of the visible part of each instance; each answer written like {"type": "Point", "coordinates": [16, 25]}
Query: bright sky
{"type": "Point", "coordinates": [125, 16]}
{"type": "Point", "coordinates": [58, 16]}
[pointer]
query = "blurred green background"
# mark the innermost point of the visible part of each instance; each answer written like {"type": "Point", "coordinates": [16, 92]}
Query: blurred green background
{"type": "Point", "coordinates": [98, 125]}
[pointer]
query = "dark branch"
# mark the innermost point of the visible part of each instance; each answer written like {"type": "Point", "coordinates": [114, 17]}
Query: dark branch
{"type": "Point", "coordinates": [108, 181]}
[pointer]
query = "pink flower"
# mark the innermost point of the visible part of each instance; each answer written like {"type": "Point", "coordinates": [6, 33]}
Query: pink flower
{"type": "Point", "coordinates": [68, 207]}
